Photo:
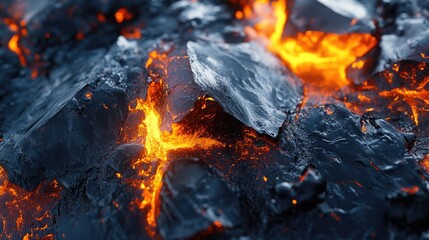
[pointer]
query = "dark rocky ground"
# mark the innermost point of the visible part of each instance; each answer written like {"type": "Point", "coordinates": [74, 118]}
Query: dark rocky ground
{"type": "Point", "coordinates": [323, 172]}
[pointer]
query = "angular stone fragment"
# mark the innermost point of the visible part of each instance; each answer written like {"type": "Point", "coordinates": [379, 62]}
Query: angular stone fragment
{"type": "Point", "coordinates": [249, 83]}
{"type": "Point", "coordinates": [195, 200]}
{"type": "Point", "coordinates": [64, 131]}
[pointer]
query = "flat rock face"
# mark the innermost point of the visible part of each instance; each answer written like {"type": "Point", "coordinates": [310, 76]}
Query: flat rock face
{"type": "Point", "coordinates": [248, 82]}
{"type": "Point", "coordinates": [194, 200]}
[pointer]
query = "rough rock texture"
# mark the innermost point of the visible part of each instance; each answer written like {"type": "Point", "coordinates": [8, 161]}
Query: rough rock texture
{"type": "Point", "coordinates": [358, 158]}
{"type": "Point", "coordinates": [194, 200]}
{"type": "Point", "coordinates": [329, 173]}
{"type": "Point", "coordinates": [65, 130]}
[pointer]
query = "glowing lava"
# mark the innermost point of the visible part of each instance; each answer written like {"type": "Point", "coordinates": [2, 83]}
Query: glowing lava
{"type": "Point", "coordinates": [14, 42]}
{"type": "Point", "coordinates": [123, 15]}
{"type": "Point", "coordinates": [413, 98]}
{"type": "Point", "coordinates": [425, 163]}
{"type": "Point", "coordinates": [402, 89]}
{"type": "Point", "coordinates": [26, 215]}
{"type": "Point", "coordinates": [158, 144]}
{"type": "Point", "coordinates": [320, 59]}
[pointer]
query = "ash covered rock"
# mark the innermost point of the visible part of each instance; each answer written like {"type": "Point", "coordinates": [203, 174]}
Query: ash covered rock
{"type": "Point", "coordinates": [195, 200]}
{"type": "Point", "coordinates": [393, 12]}
{"type": "Point", "coordinates": [247, 81]}
{"type": "Point", "coordinates": [410, 44]}
{"type": "Point", "coordinates": [200, 13]}
{"type": "Point", "coordinates": [404, 28]}
{"type": "Point", "coordinates": [71, 123]}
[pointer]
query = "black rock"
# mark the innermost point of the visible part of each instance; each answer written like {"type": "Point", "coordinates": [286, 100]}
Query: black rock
{"type": "Point", "coordinates": [363, 162]}
{"type": "Point", "coordinates": [303, 194]}
{"type": "Point", "coordinates": [195, 200]}
{"type": "Point", "coordinates": [62, 133]}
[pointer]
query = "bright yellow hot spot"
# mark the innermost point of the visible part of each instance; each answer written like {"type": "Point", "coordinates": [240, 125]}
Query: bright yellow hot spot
{"type": "Point", "coordinates": [322, 58]}
{"type": "Point", "coordinates": [14, 47]}
{"type": "Point", "coordinates": [157, 145]}
{"type": "Point", "coordinates": [318, 58]}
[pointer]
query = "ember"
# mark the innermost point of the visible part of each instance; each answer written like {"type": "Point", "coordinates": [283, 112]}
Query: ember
{"type": "Point", "coordinates": [27, 214]}
{"type": "Point", "coordinates": [230, 119]}
{"type": "Point", "coordinates": [157, 145]}
{"type": "Point", "coordinates": [317, 57]}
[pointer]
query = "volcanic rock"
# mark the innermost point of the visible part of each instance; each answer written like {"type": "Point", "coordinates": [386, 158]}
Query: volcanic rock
{"type": "Point", "coordinates": [70, 127]}
{"type": "Point", "coordinates": [375, 154]}
{"type": "Point", "coordinates": [247, 81]}
{"type": "Point", "coordinates": [305, 193]}
{"type": "Point", "coordinates": [193, 200]}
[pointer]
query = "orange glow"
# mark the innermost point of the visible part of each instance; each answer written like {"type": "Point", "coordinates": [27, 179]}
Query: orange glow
{"type": "Point", "coordinates": [123, 15]}
{"type": "Point", "coordinates": [79, 36]}
{"type": "Point", "coordinates": [12, 26]}
{"type": "Point", "coordinates": [217, 224]}
{"type": "Point", "coordinates": [318, 58]}
{"type": "Point", "coordinates": [131, 33]}
{"type": "Point", "coordinates": [410, 190]}
{"type": "Point", "coordinates": [14, 47]}
{"type": "Point", "coordinates": [19, 29]}
{"type": "Point", "coordinates": [88, 95]}
{"type": "Point", "coordinates": [425, 163]}
{"type": "Point", "coordinates": [159, 143]}
{"type": "Point", "coordinates": [322, 58]}
{"type": "Point", "coordinates": [34, 73]}
{"type": "Point", "coordinates": [26, 214]}
{"type": "Point", "coordinates": [405, 90]}
{"type": "Point", "coordinates": [101, 18]}
{"type": "Point", "coordinates": [413, 98]}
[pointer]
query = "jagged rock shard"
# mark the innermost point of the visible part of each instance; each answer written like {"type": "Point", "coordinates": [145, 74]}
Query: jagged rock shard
{"type": "Point", "coordinates": [194, 200]}
{"type": "Point", "coordinates": [247, 81]}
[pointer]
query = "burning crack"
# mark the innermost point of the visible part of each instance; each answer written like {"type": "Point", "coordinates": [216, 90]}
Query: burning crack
{"type": "Point", "coordinates": [157, 142]}
{"type": "Point", "coordinates": [316, 174]}
{"type": "Point", "coordinates": [320, 59]}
